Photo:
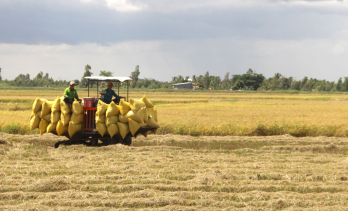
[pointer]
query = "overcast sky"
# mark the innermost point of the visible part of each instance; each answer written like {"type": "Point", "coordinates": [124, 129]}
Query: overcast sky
{"type": "Point", "coordinates": [167, 38]}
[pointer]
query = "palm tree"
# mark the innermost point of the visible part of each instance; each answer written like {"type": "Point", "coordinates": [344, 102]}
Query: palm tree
{"type": "Point", "coordinates": [86, 73]}
{"type": "Point", "coordinates": [105, 73]}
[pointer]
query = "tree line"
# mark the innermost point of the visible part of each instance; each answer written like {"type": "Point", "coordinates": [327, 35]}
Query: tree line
{"type": "Point", "coordinates": [248, 81]}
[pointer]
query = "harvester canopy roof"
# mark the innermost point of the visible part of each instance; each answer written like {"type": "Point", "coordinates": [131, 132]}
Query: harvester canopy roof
{"type": "Point", "coordinates": [104, 78]}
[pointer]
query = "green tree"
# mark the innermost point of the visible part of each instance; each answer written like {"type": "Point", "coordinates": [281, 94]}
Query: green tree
{"type": "Point", "coordinates": [39, 75]}
{"type": "Point", "coordinates": [339, 85]}
{"type": "Point", "coordinates": [45, 77]}
{"type": "Point", "coordinates": [304, 81]}
{"type": "Point", "coordinates": [250, 71]}
{"type": "Point", "coordinates": [206, 80]}
{"type": "Point", "coordinates": [85, 74]}
{"type": "Point", "coordinates": [135, 76]}
{"type": "Point", "coordinates": [215, 82]}
{"type": "Point", "coordinates": [105, 73]}
{"type": "Point", "coordinates": [345, 84]}
{"type": "Point", "coordinates": [77, 82]}
{"type": "Point", "coordinates": [0, 75]}
{"type": "Point", "coordinates": [247, 81]}
{"type": "Point", "coordinates": [226, 82]}
{"type": "Point", "coordinates": [194, 79]}
{"type": "Point", "coordinates": [199, 82]}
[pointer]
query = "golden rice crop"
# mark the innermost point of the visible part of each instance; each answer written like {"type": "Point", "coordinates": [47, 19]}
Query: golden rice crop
{"type": "Point", "coordinates": [220, 113]}
{"type": "Point", "coordinates": [256, 117]}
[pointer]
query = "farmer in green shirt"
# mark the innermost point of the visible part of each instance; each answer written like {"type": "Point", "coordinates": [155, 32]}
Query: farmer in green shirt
{"type": "Point", "coordinates": [70, 94]}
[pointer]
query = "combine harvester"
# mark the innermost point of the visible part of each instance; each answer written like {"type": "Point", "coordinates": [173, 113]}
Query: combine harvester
{"type": "Point", "coordinates": [95, 121]}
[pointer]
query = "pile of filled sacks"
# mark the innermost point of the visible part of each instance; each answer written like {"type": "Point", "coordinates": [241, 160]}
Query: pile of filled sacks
{"type": "Point", "coordinates": [56, 116]}
{"type": "Point", "coordinates": [125, 117]}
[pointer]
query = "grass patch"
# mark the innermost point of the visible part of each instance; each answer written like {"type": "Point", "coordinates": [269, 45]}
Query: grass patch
{"type": "Point", "coordinates": [15, 128]}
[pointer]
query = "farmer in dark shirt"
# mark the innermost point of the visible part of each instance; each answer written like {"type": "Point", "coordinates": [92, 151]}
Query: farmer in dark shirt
{"type": "Point", "coordinates": [110, 93]}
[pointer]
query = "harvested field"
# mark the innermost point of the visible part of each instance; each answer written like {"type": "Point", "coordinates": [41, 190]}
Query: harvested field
{"type": "Point", "coordinates": [173, 172]}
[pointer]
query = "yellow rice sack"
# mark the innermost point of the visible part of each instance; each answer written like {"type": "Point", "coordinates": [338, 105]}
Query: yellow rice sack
{"type": "Point", "coordinates": [147, 102]}
{"type": "Point", "coordinates": [152, 112]}
{"type": "Point", "coordinates": [51, 127]}
{"type": "Point", "coordinates": [135, 105]}
{"type": "Point", "coordinates": [112, 110]}
{"type": "Point", "coordinates": [111, 120]}
{"type": "Point", "coordinates": [76, 119]}
{"type": "Point", "coordinates": [37, 105]}
{"type": "Point", "coordinates": [55, 117]}
{"type": "Point", "coordinates": [56, 105]}
{"type": "Point", "coordinates": [123, 119]}
{"type": "Point", "coordinates": [47, 118]}
{"type": "Point", "coordinates": [149, 112]}
{"type": "Point", "coordinates": [46, 108]}
{"type": "Point", "coordinates": [43, 126]}
{"type": "Point", "coordinates": [146, 116]}
{"type": "Point", "coordinates": [101, 128]}
{"type": "Point", "coordinates": [100, 119]}
{"type": "Point", "coordinates": [101, 108]}
{"type": "Point", "coordinates": [65, 118]}
{"type": "Point", "coordinates": [61, 129]}
{"type": "Point", "coordinates": [64, 108]}
{"type": "Point", "coordinates": [152, 122]}
{"type": "Point", "coordinates": [139, 116]}
{"type": "Point", "coordinates": [72, 129]}
{"type": "Point", "coordinates": [124, 107]}
{"type": "Point", "coordinates": [113, 130]}
{"type": "Point", "coordinates": [133, 126]}
{"type": "Point", "coordinates": [34, 122]}
{"type": "Point", "coordinates": [77, 108]}
{"type": "Point", "coordinates": [124, 129]}
{"type": "Point", "coordinates": [33, 114]}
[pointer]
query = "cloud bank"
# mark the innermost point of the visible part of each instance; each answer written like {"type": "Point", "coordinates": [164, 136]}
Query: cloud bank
{"type": "Point", "coordinates": [166, 38]}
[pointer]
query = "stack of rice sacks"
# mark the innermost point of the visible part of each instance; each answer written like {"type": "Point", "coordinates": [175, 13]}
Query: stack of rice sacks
{"type": "Point", "coordinates": [55, 115]}
{"type": "Point", "coordinates": [100, 117]}
{"type": "Point", "coordinates": [112, 118]}
{"type": "Point", "coordinates": [150, 116]}
{"type": "Point", "coordinates": [65, 115]}
{"type": "Point", "coordinates": [76, 120]}
{"type": "Point", "coordinates": [35, 116]}
{"type": "Point", "coordinates": [45, 116]}
{"type": "Point", "coordinates": [137, 113]}
{"type": "Point", "coordinates": [125, 117]}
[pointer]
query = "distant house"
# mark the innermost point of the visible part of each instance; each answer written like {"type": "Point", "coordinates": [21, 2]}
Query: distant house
{"type": "Point", "coordinates": [187, 85]}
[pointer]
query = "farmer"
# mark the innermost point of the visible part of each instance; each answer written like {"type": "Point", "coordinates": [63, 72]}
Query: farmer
{"type": "Point", "coordinates": [110, 93]}
{"type": "Point", "coordinates": [70, 94]}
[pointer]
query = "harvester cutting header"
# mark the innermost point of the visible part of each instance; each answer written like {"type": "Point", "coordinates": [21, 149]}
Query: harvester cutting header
{"type": "Point", "coordinates": [110, 121]}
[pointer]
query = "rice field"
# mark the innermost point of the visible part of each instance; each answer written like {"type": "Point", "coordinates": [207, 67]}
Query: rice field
{"type": "Point", "coordinates": [216, 113]}
{"type": "Point", "coordinates": [214, 151]}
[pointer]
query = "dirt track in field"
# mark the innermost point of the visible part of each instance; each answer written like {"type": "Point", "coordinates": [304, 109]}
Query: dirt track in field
{"type": "Point", "coordinates": [173, 172]}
